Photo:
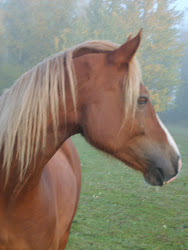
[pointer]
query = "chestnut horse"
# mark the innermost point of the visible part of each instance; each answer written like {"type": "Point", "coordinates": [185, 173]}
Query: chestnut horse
{"type": "Point", "coordinates": [94, 89]}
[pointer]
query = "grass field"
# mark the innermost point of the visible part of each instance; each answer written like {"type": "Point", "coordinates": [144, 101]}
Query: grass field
{"type": "Point", "coordinates": [118, 210]}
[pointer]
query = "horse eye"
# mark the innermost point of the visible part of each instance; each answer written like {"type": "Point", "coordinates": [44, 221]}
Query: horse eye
{"type": "Point", "coordinates": [142, 100]}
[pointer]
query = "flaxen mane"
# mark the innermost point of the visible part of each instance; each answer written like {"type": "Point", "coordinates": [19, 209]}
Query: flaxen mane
{"type": "Point", "coordinates": [24, 107]}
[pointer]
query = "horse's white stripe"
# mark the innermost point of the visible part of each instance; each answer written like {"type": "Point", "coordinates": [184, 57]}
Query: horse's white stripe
{"type": "Point", "coordinates": [169, 137]}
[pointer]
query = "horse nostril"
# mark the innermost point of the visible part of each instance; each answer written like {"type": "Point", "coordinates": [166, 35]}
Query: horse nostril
{"type": "Point", "coordinates": [161, 172]}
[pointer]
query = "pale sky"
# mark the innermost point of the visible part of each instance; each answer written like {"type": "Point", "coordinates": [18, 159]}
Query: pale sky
{"type": "Point", "coordinates": [183, 5]}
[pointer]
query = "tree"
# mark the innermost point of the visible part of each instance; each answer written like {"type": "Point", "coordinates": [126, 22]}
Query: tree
{"type": "Point", "coordinates": [161, 55]}
{"type": "Point", "coordinates": [180, 113]}
{"type": "Point", "coordinates": [31, 29]}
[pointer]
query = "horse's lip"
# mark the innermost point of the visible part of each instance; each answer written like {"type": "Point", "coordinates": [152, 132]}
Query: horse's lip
{"type": "Point", "coordinates": [170, 180]}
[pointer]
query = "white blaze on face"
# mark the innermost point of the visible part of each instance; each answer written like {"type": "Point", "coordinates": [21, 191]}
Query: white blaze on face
{"type": "Point", "coordinates": [173, 145]}
{"type": "Point", "coordinates": [169, 137]}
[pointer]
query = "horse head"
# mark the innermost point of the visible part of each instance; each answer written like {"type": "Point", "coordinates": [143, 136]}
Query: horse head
{"type": "Point", "coordinates": [116, 115]}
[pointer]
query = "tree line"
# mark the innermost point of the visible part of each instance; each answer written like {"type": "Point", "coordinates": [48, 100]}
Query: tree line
{"type": "Point", "coordinates": [32, 30]}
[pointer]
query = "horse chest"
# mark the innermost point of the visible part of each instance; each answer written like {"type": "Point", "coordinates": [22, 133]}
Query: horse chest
{"type": "Point", "coordinates": [23, 232]}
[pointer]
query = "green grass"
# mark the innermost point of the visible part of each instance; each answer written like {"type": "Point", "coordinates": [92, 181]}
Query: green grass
{"type": "Point", "coordinates": [118, 210]}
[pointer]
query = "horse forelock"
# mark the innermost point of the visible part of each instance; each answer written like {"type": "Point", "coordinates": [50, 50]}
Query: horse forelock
{"type": "Point", "coordinates": [132, 81]}
{"type": "Point", "coordinates": [24, 107]}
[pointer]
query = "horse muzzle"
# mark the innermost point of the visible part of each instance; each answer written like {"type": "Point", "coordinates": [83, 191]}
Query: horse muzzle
{"type": "Point", "coordinates": [159, 174]}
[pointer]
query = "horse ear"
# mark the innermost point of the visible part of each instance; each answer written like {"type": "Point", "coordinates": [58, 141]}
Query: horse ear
{"type": "Point", "coordinates": [129, 37]}
{"type": "Point", "coordinates": [125, 52]}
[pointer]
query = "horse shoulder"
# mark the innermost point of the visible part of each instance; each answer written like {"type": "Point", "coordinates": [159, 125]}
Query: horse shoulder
{"type": "Point", "coordinates": [65, 176]}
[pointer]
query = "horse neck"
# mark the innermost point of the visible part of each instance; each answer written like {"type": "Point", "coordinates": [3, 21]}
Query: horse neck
{"type": "Point", "coordinates": [66, 128]}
